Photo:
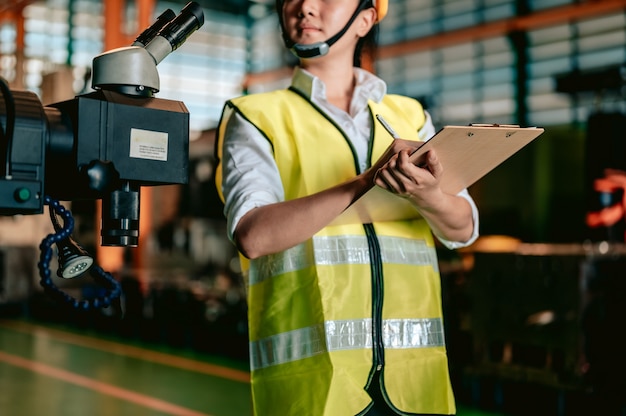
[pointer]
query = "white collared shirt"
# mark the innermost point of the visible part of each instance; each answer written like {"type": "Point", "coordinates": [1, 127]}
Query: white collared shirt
{"type": "Point", "coordinates": [250, 175]}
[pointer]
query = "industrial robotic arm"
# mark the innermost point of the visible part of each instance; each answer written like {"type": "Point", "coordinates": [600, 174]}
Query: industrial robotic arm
{"type": "Point", "coordinates": [101, 145]}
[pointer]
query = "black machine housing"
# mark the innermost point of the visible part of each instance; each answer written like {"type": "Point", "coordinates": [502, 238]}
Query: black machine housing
{"type": "Point", "coordinates": [101, 145]}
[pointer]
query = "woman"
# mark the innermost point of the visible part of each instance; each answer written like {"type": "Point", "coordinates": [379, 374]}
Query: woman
{"type": "Point", "coordinates": [344, 302]}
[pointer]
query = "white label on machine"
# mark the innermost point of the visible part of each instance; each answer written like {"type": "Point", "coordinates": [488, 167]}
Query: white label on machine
{"type": "Point", "coordinates": [146, 144]}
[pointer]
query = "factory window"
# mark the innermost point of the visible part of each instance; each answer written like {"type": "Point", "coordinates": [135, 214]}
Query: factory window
{"type": "Point", "coordinates": [204, 72]}
{"type": "Point", "coordinates": [208, 69]}
{"type": "Point", "coordinates": [480, 79]}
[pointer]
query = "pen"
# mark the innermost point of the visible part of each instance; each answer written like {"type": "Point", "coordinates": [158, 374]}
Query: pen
{"type": "Point", "coordinates": [387, 127]}
{"type": "Point", "coordinates": [393, 134]}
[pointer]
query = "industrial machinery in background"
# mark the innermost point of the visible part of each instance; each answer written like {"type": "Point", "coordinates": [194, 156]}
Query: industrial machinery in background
{"type": "Point", "coordinates": [542, 319]}
{"type": "Point", "coordinates": [105, 145]}
{"type": "Point", "coordinates": [605, 148]}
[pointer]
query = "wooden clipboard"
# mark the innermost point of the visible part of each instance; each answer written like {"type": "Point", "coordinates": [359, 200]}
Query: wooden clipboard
{"type": "Point", "coordinates": [467, 153]}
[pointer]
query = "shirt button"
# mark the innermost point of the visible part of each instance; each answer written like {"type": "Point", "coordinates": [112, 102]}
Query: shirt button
{"type": "Point", "coordinates": [363, 167]}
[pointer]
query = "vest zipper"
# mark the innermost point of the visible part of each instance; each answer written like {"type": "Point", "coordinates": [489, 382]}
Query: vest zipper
{"type": "Point", "coordinates": [377, 297]}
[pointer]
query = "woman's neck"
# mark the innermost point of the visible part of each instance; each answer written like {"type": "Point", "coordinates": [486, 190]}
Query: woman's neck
{"type": "Point", "coordinates": [339, 81]}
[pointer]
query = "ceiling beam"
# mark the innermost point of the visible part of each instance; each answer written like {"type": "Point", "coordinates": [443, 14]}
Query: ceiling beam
{"type": "Point", "coordinates": [10, 7]}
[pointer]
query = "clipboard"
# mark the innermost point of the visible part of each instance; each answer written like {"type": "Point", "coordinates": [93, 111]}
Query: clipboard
{"type": "Point", "coordinates": [467, 153]}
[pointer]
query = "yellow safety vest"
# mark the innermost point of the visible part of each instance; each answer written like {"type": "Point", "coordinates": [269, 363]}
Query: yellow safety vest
{"type": "Point", "coordinates": [326, 314]}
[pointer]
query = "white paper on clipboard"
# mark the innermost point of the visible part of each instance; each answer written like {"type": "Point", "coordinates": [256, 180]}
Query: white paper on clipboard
{"type": "Point", "coordinates": [467, 153]}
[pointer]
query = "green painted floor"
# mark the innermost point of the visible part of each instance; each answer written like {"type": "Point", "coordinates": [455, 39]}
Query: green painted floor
{"type": "Point", "coordinates": [49, 371]}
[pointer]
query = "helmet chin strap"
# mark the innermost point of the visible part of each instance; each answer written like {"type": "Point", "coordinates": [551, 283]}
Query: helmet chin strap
{"type": "Point", "coordinates": [316, 49]}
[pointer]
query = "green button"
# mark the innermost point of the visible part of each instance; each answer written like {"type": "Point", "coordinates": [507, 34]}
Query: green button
{"type": "Point", "coordinates": [22, 194]}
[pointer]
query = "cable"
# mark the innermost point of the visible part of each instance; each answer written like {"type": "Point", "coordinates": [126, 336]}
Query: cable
{"type": "Point", "coordinates": [97, 273]}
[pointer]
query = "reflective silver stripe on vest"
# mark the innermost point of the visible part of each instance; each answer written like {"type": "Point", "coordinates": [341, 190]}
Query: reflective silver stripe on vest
{"type": "Point", "coordinates": [343, 335]}
{"type": "Point", "coordinates": [333, 250]}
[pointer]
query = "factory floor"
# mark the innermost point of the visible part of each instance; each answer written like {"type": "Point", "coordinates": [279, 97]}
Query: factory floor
{"type": "Point", "coordinates": [56, 370]}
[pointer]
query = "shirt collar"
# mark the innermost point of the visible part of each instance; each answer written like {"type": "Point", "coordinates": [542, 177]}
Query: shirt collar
{"type": "Point", "coordinates": [368, 86]}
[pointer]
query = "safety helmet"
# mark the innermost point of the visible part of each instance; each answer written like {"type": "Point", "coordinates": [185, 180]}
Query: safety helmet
{"type": "Point", "coordinates": [381, 7]}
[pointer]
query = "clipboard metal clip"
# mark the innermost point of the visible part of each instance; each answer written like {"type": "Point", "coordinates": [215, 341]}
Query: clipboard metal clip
{"type": "Point", "coordinates": [510, 126]}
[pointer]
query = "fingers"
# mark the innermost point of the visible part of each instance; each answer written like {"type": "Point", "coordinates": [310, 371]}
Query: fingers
{"type": "Point", "coordinates": [434, 165]}
{"type": "Point", "coordinates": [399, 175]}
{"type": "Point", "coordinates": [384, 176]}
